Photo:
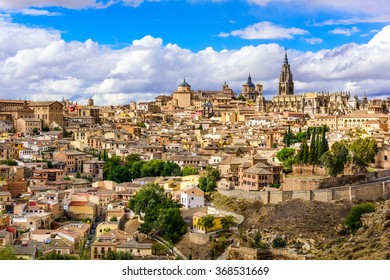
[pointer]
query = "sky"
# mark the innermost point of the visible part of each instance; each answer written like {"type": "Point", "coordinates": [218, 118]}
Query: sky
{"type": "Point", "coordinates": [117, 51]}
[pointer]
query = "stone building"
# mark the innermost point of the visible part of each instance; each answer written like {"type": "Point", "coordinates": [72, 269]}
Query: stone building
{"type": "Point", "coordinates": [309, 103]}
{"type": "Point", "coordinates": [49, 111]}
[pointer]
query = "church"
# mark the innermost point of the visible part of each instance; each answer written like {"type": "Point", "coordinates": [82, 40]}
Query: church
{"type": "Point", "coordinates": [214, 102]}
{"type": "Point", "coordinates": [309, 103]}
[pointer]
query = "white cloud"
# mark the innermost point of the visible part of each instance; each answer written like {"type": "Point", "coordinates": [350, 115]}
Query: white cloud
{"type": "Point", "coordinates": [36, 12]}
{"type": "Point", "coordinates": [259, 2]}
{"type": "Point", "coordinates": [314, 41]}
{"type": "Point", "coordinates": [267, 30]}
{"type": "Point", "coordinates": [37, 64]}
{"type": "Point", "coordinates": [71, 4]}
{"type": "Point", "coordinates": [13, 5]}
{"type": "Point", "coordinates": [351, 21]}
{"type": "Point", "coordinates": [223, 35]}
{"type": "Point", "coordinates": [372, 7]}
{"type": "Point", "coordinates": [345, 31]}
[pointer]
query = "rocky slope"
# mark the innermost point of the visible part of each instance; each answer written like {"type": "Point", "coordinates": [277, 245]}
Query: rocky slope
{"type": "Point", "coordinates": [316, 229]}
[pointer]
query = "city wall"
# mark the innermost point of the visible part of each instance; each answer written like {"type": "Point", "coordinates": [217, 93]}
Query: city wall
{"type": "Point", "coordinates": [369, 192]}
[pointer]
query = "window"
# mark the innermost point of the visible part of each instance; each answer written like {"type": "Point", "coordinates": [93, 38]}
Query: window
{"type": "Point", "coordinates": [385, 157]}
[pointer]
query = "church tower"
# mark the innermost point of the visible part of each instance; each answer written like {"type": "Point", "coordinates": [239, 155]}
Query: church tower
{"type": "Point", "coordinates": [286, 84]}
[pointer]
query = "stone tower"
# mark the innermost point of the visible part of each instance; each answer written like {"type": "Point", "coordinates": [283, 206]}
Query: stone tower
{"type": "Point", "coordinates": [286, 84]}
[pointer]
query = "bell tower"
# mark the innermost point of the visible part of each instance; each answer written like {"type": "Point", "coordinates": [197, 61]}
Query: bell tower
{"type": "Point", "coordinates": [286, 84]}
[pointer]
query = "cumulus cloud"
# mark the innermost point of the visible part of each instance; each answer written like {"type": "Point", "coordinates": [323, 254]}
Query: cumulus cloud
{"type": "Point", "coordinates": [345, 31]}
{"type": "Point", "coordinates": [69, 4]}
{"type": "Point", "coordinates": [266, 30]}
{"type": "Point", "coordinates": [314, 41]}
{"type": "Point", "coordinates": [38, 64]}
{"type": "Point", "coordinates": [372, 7]}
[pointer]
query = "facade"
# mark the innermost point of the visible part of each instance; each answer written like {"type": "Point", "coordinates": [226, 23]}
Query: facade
{"type": "Point", "coordinates": [28, 125]}
{"type": "Point", "coordinates": [197, 225]}
{"type": "Point", "coordinates": [50, 112]}
{"type": "Point", "coordinates": [255, 177]}
{"type": "Point", "coordinates": [192, 197]}
{"type": "Point", "coordinates": [183, 96]}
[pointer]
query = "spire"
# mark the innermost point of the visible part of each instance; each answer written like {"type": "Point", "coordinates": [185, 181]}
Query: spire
{"type": "Point", "coordinates": [285, 57]}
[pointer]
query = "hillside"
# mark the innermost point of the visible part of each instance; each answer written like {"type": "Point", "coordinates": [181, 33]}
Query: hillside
{"type": "Point", "coordinates": [316, 229]}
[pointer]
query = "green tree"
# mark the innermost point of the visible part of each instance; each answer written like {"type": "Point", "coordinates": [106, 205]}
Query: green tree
{"type": "Point", "coordinates": [241, 97]}
{"type": "Point", "coordinates": [131, 159]}
{"type": "Point", "coordinates": [9, 162]}
{"type": "Point", "coordinates": [7, 253]}
{"type": "Point", "coordinates": [171, 224]}
{"type": "Point", "coordinates": [152, 168]}
{"type": "Point", "coordinates": [207, 183]}
{"type": "Point", "coordinates": [78, 175]}
{"type": "Point", "coordinates": [110, 163]}
{"type": "Point", "coordinates": [213, 172]}
{"type": "Point", "coordinates": [286, 156]}
{"type": "Point", "coordinates": [303, 154]}
{"type": "Point", "coordinates": [312, 151]}
{"type": "Point", "coordinates": [285, 153]}
{"type": "Point", "coordinates": [113, 219]}
{"type": "Point", "coordinates": [206, 222]}
{"type": "Point", "coordinates": [150, 200]}
{"type": "Point", "coordinates": [363, 152]}
{"type": "Point", "coordinates": [227, 222]}
{"type": "Point", "coordinates": [335, 159]}
{"type": "Point", "coordinates": [257, 243]}
{"type": "Point", "coordinates": [353, 220]}
{"type": "Point", "coordinates": [147, 198]}
{"type": "Point", "coordinates": [136, 169]}
{"type": "Point", "coordinates": [119, 174]}
{"type": "Point", "coordinates": [189, 170]}
{"type": "Point", "coordinates": [56, 256]}
{"type": "Point", "coordinates": [170, 169]}
{"type": "Point", "coordinates": [121, 255]}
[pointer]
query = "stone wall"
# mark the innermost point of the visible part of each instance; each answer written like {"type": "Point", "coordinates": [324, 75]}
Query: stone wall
{"type": "Point", "coordinates": [245, 253]}
{"type": "Point", "coordinates": [291, 183]}
{"type": "Point", "coordinates": [368, 192]}
{"type": "Point", "coordinates": [307, 170]}
{"type": "Point", "coordinates": [198, 238]}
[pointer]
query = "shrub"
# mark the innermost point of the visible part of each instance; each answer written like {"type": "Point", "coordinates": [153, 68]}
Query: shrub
{"type": "Point", "coordinates": [279, 242]}
{"type": "Point", "coordinates": [353, 220]}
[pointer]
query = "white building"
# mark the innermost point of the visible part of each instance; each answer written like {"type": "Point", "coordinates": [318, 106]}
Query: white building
{"type": "Point", "coordinates": [192, 197]}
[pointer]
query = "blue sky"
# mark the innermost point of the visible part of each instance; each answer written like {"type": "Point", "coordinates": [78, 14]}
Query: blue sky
{"type": "Point", "coordinates": [122, 50]}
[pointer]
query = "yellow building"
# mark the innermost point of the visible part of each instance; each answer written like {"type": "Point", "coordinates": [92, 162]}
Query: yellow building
{"type": "Point", "coordinates": [188, 181]}
{"type": "Point", "coordinates": [198, 216]}
{"type": "Point", "coordinates": [82, 210]}
{"type": "Point", "coordinates": [105, 227]}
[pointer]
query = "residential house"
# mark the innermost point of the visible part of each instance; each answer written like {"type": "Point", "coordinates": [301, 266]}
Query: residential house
{"type": "Point", "coordinates": [192, 197]}
{"type": "Point", "coordinates": [108, 242]}
{"type": "Point", "coordinates": [135, 248]}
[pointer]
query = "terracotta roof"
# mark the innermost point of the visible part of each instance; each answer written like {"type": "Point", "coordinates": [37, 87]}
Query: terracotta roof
{"type": "Point", "coordinates": [78, 203]}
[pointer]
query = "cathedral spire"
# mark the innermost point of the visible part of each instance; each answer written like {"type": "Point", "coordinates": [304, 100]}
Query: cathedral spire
{"type": "Point", "coordinates": [285, 57]}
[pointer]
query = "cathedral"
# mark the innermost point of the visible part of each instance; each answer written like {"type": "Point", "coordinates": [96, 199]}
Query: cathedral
{"type": "Point", "coordinates": [213, 103]}
{"type": "Point", "coordinates": [309, 103]}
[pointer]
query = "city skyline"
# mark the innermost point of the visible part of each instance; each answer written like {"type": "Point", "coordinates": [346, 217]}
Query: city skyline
{"type": "Point", "coordinates": [121, 51]}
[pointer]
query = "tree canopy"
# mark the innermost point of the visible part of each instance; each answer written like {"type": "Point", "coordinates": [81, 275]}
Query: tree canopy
{"type": "Point", "coordinates": [7, 253]}
{"type": "Point", "coordinates": [160, 212]}
{"type": "Point", "coordinates": [189, 170]}
{"type": "Point", "coordinates": [363, 152]}
{"type": "Point", "coordinates": [335, 159]}
{"type": "Point", "coordinates": [208, 182]}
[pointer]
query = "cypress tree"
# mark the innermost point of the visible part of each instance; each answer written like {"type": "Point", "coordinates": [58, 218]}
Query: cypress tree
{"type": "Point", "coordinates": [317, 146]}
{"type": "Point", "coordinates": [305, 156]}
{"type": "Point", "coordinates": [324, 140]}
{"type": "Point", "coordinates": [312, 152]}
